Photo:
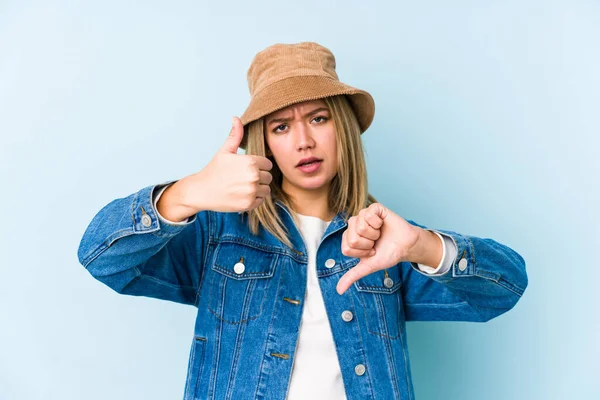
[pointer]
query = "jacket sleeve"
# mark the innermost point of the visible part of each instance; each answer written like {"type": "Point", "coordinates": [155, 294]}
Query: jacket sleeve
{"type": "Point", "coordinates": [128, 247]}
{"type": "Point", "coordinates": [485, 280]}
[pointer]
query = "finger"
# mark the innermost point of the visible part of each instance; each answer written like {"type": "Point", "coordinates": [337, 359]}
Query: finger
{"type": "Point", "coordinates": [257, 202]}
{"type": "Point", "coordinates": [263, 191]}
{"type": "Point", "coordinates": [373, 217]}
{"type": "Point", "coordinates": [353, 252]}
{"type": "Point", "coordinates": [355, 241]}
{"type": "Point", "coordinates": [263, 163]}
{"type": "Point", "coordinates": [235, 137]}
{"type": "Point", "coordinates": [361, 269]}
{"type": "Point", "coordinates": [359, 253]}
{"type": "Point", "coordinates": [365, 230]}
{"type": "Point", "coordinates": [265, 177]}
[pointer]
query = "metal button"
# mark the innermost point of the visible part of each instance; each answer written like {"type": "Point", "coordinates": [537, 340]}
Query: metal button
{"type": "Point", "coordinates": [359, 369]}
{"type": "Point", "coordinates": [239, 268]}
{"type": "Point", "coordinates": [388, 282]}
{"type": "Point", "coordinates": [330, 263]}
{"type": "Point", "coordinates": [146, 220]}
{"type": "Point", "coordinates": [347, 316]}
{"type": "Point", "coordinates": [462, 264]}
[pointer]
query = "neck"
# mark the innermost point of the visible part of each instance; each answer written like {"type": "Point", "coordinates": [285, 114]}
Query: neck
{"type": "Point", "coordinates": [312, 203]}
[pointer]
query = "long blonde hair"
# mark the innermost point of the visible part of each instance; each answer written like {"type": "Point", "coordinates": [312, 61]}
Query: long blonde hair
{"type": "Point", "coordinates": [349, 188]}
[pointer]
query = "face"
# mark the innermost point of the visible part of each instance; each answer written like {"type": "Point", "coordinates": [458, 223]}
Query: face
{"type": "Point", "coordinates": [295, 135]}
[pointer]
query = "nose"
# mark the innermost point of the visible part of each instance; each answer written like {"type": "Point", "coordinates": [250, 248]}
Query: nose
{"type": "Point", "coordinates": [304, 139]}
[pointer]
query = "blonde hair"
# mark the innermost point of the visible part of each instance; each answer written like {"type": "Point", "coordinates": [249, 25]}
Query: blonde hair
{"type": "Point", "coordinates": [349, 188]}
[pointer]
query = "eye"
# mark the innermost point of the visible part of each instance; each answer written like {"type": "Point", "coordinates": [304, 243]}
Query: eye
{"type": "Point", "coordinates": [276, 130]}
{"type": "Point", "coordinates": [322, 117]}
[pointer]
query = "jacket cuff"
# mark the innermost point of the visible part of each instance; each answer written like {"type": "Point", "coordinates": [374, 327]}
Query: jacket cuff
{"type": "Point", "coordinates": [462, 264]}
{"type": "Point", "coordinates": [448, 256]}
{"type": "Point", "coordinates": [158, 191]}
{"type": "Point", "coordinates": [146, 218]}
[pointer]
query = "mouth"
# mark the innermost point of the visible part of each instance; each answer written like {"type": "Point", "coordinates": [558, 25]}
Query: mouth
{"type": "Point", "coordinates": [308, 161]}
{"type": "Point", "coordinates": [310, 166]}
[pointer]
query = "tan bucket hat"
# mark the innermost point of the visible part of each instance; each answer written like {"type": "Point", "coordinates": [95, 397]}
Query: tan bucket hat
{"type": "Point", "coordinates": [284, 74]}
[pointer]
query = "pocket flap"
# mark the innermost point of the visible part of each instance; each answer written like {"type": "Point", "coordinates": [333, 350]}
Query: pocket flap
{"type": "Point", "coordinates": [252, 262]}
{"type": "Point", "coordinates": [383, 281]}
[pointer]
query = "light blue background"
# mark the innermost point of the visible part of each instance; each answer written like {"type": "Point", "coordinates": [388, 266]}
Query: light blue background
{"type": "Point", "coordinates": [487, 123]}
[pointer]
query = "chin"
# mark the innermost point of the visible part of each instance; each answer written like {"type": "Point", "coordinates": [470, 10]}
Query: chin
{"type": "Point", "coordinates": [313, 183]}
{"type": "Point", "coordinates": [311, 187]}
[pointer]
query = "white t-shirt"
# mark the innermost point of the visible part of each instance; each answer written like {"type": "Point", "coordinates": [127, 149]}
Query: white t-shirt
{"type": "Point", "coordinates": [316, 371]}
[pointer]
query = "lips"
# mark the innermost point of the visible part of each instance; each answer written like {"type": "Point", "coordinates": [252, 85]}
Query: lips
{"type": "Point", "coordinates": [308, 160]}
{"type": "Point", "coordinates": [310, 168]}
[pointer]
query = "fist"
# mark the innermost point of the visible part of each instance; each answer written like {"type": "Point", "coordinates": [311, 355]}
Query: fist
{"type": "Point", "coordinates": [380, 238]}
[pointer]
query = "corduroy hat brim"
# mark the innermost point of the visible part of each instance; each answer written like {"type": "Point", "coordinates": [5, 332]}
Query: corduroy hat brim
{"type": "Point", "coordinates": [299, 88]}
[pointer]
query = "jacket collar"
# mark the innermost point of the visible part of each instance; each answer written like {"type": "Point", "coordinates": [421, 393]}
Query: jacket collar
{"type": "Point", "coordinates": [338, 222]}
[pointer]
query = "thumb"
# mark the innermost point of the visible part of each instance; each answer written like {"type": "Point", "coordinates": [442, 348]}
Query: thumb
{"type": "Point", "coordinates": [235, 136]}
{"type": "Point", "coordinates": [363, 268]}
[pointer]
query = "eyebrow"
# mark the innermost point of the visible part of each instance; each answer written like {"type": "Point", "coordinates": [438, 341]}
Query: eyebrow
{"type": "Point", "coordinates": [316, 110]}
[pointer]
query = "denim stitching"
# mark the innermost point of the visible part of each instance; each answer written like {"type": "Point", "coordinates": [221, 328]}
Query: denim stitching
{"type": "Point", "coordinates": [222, 287]}
{"type": "Point", "coordinates": [238, 339]}
{"type": "Point", "coordinates": [188, 388]}
{"type": "Point", "coordinates": [165, 283]}
{"type": "Point", "coordinates": [202, 362]}
{"type": "Point", "coordinates": [391, 361]}
{"type": "Point", "coordinates": [362, 346]}
{"type": "Point", "coordinates": [367, 318]}
{"type": "Point", "coordinates": [192, 390]}
{"type": "Point", "coordinates": [404, 353]}
{"type": "Point", "coordinates": [437, 305]}
{"type": "Point", "coordinates": [216, 357]}
{"type": "Point", "coordinates": [203, 266]}
{"type": "Point", "coordinates": [264, 358]}
{"type": "Point", "coordinates": [261, 246]}
{"type": "Point", "coordinates": [504, 283]}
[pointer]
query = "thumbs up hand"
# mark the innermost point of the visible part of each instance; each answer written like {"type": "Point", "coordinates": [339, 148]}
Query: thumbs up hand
{"type": "Point", "coordinates": [230, 182]}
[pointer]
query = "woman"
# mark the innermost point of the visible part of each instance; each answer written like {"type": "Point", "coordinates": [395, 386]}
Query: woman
{"type": "Point", "coordinates": [303, 282]}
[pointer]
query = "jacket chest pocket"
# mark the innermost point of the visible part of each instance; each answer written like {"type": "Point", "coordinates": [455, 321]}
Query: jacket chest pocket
{"type": "Point", "coordinates": [240, 277]}
{"type": "Point", "coordinates": [378, 294]}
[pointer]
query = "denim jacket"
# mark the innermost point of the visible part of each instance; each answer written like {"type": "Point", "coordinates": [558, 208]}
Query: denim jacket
{"type": "Point", "coordinates": [249, 293]}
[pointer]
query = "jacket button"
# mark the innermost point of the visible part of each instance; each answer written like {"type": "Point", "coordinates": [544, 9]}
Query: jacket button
{"type": "Point", "coordinates": [347, 316]}
{"type": "Point", "coordinates": [359, 369]}
{"type": "Point", "coordinates": [330, 263]}
{"type": "Point", "coordinates": [239, 268]}
{"type": "Point", "coordinates": [388, 282]}
{"type": "Point", "coordinates": [146, 220]}
{"type": "Point", "coordinates": [462, 264]}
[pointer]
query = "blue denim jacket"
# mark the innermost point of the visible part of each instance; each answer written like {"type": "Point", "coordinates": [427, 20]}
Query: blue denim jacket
{"type": "Point", "coordinates": [247, 323]}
